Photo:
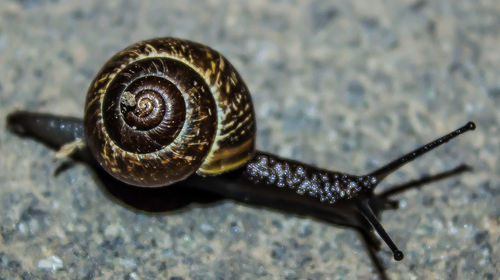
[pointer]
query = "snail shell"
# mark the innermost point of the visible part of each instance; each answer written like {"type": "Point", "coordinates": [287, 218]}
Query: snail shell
{"type": "Point", "coordinates": [162, 109]}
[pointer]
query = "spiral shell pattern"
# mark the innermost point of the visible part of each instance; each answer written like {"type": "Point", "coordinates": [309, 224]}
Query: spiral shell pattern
{"type": "Point", "coordinates": [162, 109]}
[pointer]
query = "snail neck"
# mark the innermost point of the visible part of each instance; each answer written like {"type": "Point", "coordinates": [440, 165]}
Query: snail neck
{"type": "Point", "coordinates": [328, 187]}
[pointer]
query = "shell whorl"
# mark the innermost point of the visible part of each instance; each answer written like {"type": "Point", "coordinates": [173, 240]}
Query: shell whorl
{"type": "Point", "coordinates": [162, 109]}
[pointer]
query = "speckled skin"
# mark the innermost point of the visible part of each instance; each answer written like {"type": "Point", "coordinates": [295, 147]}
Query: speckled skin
{"type": "Point", "coordinates": [215, 113]}
{"type": "Point", "coordinates": [327, 186]}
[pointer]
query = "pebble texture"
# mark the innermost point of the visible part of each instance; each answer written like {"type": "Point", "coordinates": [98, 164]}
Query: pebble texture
{"type": "Point", "coordinates": [344, 85]}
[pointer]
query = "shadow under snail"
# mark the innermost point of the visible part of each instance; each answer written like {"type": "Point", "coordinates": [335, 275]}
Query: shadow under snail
{"type": "Point", "coordinates": [173, 112]}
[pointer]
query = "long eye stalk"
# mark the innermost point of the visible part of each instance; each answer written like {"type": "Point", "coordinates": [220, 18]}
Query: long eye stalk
{"type": "Point", "coordinates": [392, 166]}
{"type": "Point", "coordinates": [368, 214]}
{"type": "Point", "coordinates": [384, 171]}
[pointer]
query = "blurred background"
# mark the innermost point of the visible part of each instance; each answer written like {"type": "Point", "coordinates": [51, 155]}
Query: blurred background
{"type": "Point", "coordinates": [344, 85]}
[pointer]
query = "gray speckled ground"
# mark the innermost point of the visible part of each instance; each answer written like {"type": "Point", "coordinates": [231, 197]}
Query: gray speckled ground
{"type": "Point", "coordinates": [342, 85]}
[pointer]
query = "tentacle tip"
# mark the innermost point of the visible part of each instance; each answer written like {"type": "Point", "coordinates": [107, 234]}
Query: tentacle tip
{"type": "Point", "coordinates": [398, 255]}
{"type": "Point", "coordinates": [467, 168]}
{"type": "Point", "coordinates": [471, 125]}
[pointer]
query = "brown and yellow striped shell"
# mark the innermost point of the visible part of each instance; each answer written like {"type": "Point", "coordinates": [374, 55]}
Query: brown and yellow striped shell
{"type": "Point", "coordinates": [162, 109]}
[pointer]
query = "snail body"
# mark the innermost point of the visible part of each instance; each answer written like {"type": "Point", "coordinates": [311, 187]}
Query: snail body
{"type": "Point", "coordinates": [173, 113]}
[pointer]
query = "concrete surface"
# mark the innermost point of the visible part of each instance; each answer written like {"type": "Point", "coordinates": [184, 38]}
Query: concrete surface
{"type": "Point", "coordinates": [341, 84]}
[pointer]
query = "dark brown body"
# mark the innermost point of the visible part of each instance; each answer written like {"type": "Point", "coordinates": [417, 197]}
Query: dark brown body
{"type": "Point", "coordinates": [254, 183]}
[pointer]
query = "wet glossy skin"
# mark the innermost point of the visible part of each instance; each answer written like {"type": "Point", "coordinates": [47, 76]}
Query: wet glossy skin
{"type": "Point", "coordinates": [272, 181]}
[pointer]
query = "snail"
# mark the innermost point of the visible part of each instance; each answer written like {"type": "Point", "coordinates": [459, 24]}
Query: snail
{"type": "Point", "coordinates": [170, 112]}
